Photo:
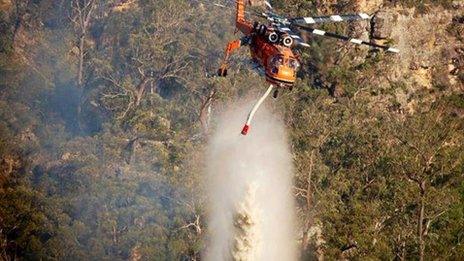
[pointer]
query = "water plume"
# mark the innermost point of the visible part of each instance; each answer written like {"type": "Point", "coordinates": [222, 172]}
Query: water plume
{"type": "Point", "coordinates": [249, 182]}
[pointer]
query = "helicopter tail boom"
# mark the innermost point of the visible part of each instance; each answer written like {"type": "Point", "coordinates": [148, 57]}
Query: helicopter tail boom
{"type": "Point", "coordinates": [240, 22]}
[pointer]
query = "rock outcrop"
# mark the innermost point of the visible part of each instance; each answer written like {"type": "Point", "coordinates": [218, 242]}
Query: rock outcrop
{"type": "Point", "coordinates": [431, 51]}
{"type": "Point", "coordinates": [382, 24]}
{"type": "Point", "coordinates": [5, 5]}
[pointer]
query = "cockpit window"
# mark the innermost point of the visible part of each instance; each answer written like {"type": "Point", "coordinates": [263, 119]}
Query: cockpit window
{"type": "Point", "coordinates": [276, 61]}
{"type": "Point", "coordinates": [294, 64]}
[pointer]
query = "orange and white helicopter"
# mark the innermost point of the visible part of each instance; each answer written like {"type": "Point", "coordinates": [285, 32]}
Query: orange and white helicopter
{"type": "Point", "coordinates": [272, 45]}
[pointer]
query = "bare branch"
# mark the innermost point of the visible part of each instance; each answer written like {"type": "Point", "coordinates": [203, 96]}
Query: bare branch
{"type": "Point", "coordinates": [430, 220]}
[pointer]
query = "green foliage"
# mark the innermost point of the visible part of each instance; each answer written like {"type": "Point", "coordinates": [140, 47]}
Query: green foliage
{"type": "Point", "coordinates": [456, 100]}
{"type": "Point", "coordinates": [113, 172]}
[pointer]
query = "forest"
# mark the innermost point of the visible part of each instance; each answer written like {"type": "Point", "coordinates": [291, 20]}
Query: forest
{"type": "Point", "coordinates": [106, 107]}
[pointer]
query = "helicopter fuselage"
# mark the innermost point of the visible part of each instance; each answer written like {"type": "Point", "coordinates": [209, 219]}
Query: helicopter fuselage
{"type": "Point", "coordinates": [272, 45]}
{"type": "Point", "coordinates": [279, 62]}
{"type": "Point", "coordinates": [270, 49]}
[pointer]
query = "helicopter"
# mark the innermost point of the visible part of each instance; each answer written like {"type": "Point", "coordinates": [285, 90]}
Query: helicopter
{"type": "Point", "coordinates": [273, 45]}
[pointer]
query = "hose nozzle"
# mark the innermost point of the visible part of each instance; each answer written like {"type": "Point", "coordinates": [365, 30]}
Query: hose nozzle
{"type": "Point", "coordinates": [245, 129]}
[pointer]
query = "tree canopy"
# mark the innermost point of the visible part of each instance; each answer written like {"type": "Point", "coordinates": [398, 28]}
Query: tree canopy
{"type": "Point", "coordinates": [105, 110]}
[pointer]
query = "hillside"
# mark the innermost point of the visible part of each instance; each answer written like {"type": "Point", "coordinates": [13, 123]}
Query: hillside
{"type": "Point", "coordinates": [107, 106]}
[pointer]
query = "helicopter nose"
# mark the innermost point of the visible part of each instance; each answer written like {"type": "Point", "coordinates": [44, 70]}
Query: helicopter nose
{"type": "Point", "coordinates": [282, 74]}
{"type": "Point", "coordinates": [286, 72]}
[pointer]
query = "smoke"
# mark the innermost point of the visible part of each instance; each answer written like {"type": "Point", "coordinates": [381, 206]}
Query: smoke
{"type": "Point", "coordinates": [249, 179]}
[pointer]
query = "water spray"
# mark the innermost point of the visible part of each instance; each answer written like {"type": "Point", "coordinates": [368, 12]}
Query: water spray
{"type": "Point", "coordinates": [246, 235]}
{"type": "Point", "coordinates": [249, 181]}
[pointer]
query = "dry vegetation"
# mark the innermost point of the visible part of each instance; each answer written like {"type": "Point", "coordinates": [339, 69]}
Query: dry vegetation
{"type": "Point", "coordinates": [104, 109]}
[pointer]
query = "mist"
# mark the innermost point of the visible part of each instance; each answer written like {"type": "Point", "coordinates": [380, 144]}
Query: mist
{"type": "Point", "coordinates": [249, 180]}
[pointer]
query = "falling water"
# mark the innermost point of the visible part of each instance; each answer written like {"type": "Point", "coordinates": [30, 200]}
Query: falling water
{"type": "Point", "coordinates": [249, 179]}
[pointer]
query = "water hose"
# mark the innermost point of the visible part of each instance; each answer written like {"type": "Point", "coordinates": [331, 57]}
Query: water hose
{"type": "Point", "coordinates": [255, 108]}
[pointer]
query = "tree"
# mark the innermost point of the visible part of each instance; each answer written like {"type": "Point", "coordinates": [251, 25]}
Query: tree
{"type": "Point", "coordinates": [429, 155]}
{"type": "Point", "coordinates": [82, 14]}
{"type": "Point", "coordinates": [154, 53]}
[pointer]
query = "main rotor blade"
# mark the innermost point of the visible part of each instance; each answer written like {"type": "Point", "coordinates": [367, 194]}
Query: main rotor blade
{"type": "Point", "coordinates": [347, 39]}
{"type": "Point", "coordinates": [268, 5]}
{"type": "Point", "coordinates": [329, 18]}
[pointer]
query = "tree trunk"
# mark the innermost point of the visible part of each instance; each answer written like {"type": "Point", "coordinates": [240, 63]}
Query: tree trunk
{"type": "Point", "coordinates": [80, 80]}
{"type": "Point", "coordinates": [205, 111]}
{"type": "Point", "coordinates": [141, 90]}
{"type": "Point", "coordinates": [115, 235]}
{"type": "Point", "coordinates": [310, 174]}
{"type": "Point", "coordinates": [421, 222]}
{"type": "Point", "coordinates": [80, 72]}
{"type": "Point", "coordinates": [421, 231]}
{"type": "Point", "coordinates": [305, 240]}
